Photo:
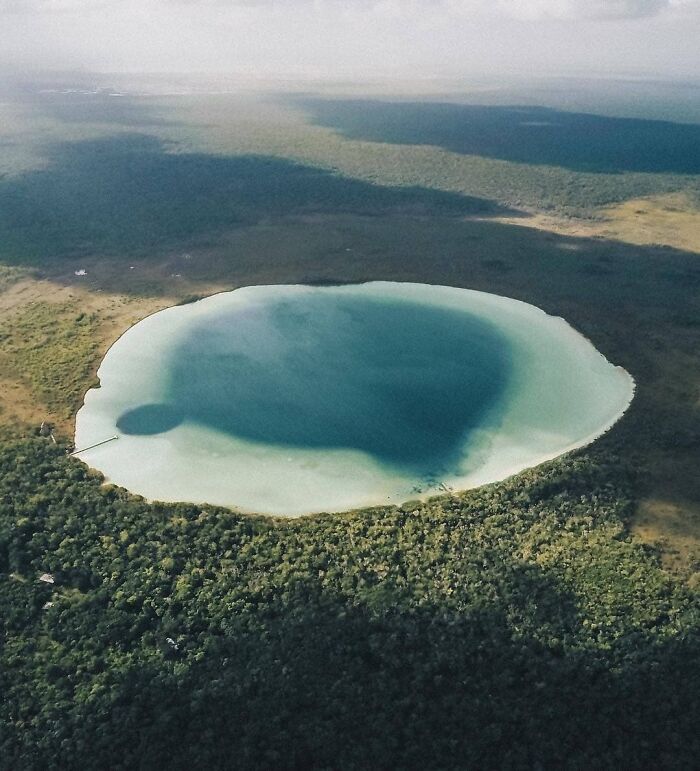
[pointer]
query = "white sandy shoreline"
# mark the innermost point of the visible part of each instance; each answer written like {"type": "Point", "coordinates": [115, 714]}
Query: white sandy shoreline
{"type": "Point", "coordinates": [565, 395]}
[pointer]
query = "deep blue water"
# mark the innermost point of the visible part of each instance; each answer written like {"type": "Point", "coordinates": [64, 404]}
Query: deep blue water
{"type": "Point", "coordinates": [400, 380]}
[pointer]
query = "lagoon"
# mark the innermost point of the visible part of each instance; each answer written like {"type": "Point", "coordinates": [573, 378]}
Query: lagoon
{"type": "Point", "coordinates": [297, 399]}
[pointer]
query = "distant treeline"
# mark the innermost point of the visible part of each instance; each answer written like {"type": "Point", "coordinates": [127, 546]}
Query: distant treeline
{"type": "Point", "coordinates": [534, 135]}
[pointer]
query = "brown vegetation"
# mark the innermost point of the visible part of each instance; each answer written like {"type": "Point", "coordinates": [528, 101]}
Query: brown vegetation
{"type": "Point", "coordinates": [667, 220]}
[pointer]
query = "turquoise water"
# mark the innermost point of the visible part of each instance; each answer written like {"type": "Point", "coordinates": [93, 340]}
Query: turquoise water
{"type": "Point", "coordinates": [295, 399]}
{"type": "Point", "coordinates": [403, 382]}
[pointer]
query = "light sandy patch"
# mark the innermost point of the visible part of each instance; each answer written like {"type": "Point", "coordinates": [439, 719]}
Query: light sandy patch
{"type": "Point", "coordinates": [667, 220]}
{"type": "Point", "coordinates": [673, 526]}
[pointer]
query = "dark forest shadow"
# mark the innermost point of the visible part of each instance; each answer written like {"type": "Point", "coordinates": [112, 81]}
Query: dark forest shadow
{"type": "Point", "coordinates": [326, 644]}
{"type": "Point", "coordinates": [431, 689]}
{"type": "Point", "coordinates": [128, 195]}
{"type": "Point", "coordinates": [314, 680]}
{"type": "Point", "coordinates": [523, 134]}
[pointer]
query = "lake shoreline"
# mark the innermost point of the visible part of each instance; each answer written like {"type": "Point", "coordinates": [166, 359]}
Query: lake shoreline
{"type": "Point", "coordinates": [510, 462]}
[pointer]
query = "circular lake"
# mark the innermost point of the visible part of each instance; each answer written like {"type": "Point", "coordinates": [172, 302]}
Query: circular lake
{"type": "Point", "coordinates": [298, 399]}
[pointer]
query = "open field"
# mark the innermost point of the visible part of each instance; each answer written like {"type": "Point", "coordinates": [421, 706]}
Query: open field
{"type": "Point", "coordinates": [671, 525]}
{"type": "Point", "coordinates": [666, 220]}
{"type": "Point", "coordinates": [53, 340]}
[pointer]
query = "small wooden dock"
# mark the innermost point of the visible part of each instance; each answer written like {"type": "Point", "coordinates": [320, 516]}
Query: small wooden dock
{"type": "Point", "coordinates": [92, 446]}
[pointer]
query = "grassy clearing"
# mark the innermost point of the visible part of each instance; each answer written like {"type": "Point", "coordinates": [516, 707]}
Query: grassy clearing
{"type": "Point", "coordinates": [666, 220]}
{"type": "Point", "coordinates": [52, 347]}
{"type": "Point", "coordinates": [674, 529]}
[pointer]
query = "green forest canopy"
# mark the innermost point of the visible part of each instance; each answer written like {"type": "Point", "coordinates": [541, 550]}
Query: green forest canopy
{"type": "Point", "coordinates": [516, 626]}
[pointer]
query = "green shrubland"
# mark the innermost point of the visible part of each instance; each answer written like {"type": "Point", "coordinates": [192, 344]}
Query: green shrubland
{"type": "Point", "coordinates": [52, 347]}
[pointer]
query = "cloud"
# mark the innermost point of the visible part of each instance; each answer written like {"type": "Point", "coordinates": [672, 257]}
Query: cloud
{"type": "Point", "coordinates": [584, 9]}
{"type": "Point", "coordinates": [522, 9]}
{"type": "Point", "coordinates": [54, 6]}
{"type": "Point", "coordinates": [347, 38]}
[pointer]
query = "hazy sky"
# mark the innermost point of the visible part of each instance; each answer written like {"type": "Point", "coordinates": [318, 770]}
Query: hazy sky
{"type": "Point", "coordinates": [334, 38]}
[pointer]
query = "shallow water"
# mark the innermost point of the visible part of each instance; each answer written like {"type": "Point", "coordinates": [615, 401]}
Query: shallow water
{"type": "Point", "coordinates": [294, 399]}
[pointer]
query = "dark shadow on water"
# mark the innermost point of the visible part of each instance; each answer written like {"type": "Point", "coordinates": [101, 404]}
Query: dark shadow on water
{"type": "Point", "coordinates": [133, 195]}
{"type": "Point", "coordinates": [149, 419]}
{"type": "Point", "coordinates": [401, 381]}
{"type": "Point", "coordinates": [523, 134]}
